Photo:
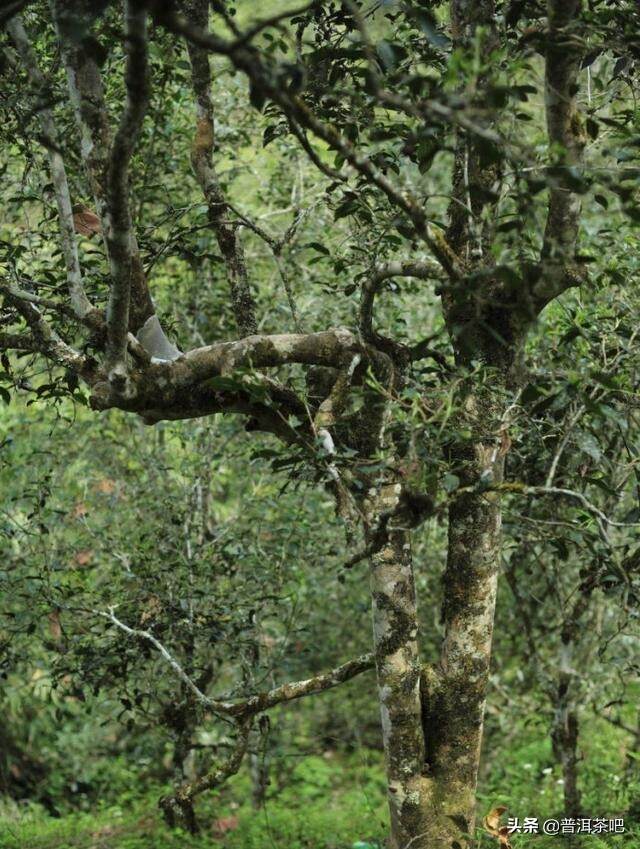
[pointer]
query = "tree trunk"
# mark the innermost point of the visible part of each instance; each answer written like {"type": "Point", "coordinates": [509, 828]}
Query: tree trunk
{"type": "Point", "coordinates": [432, 738]}
{"type": "Point", "coordinates": [432, 719]}
{"type": "Point", "coordinates": [632, 761]}
{"type": "Point", "coordinates": [431, 788]}
{"type": "Point", "coordinates": [395, 630]}
{"type": "Point", "coordinates": [564, 735]}
{"type": "Point", "coordinates": [455, 699]}
{"type": "Point", "coordinates": [259, 770]}
{"type": "Point", "coordinates": [470, 595]}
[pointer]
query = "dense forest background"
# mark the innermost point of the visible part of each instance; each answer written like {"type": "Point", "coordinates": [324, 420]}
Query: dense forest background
{"type": "Point", "coordinates": [224, 542]}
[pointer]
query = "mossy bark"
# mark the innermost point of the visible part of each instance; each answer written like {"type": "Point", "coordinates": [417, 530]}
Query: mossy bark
{"type": "Point", "coordinates": [432, 720]}
{"type": "Point", "coordinates": [395, 630]}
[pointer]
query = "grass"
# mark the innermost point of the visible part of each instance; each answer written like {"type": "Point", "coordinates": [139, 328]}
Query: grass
{"type": "Point", "coordinates": [326, 805]}
{"type": "Point", "coordinates": [335, 801]}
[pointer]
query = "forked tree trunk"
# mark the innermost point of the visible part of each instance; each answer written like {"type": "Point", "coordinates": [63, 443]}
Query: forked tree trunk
{"type": "Point", "coordinates": [432, 718]}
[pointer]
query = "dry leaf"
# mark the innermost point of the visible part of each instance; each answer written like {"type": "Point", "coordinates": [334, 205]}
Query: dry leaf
{"type": "Point", "coordinates": [492, 820]}
{"type": "Point", "coordinates": [106, 486]}
{"type": "Point", "coordinates": [221, 826]}
{"type": "Point", "coordinates": [85, 221]}
{"type": "Point", "coordinates": [80, 509]}
{"type": "Point", "coordinates": [84, 557]}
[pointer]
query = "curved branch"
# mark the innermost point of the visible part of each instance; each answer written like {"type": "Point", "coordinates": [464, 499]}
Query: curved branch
{"type": "Point", "coordinates": [300, 134]}
{"type": "Point", "coordinates": [46, 340]}
{"type": "Point", "coordinates": [372, 285]}
{"type": "Point", "coordinates": [263, 701]}
{"type": "Point", "coordinates": [178, 809]}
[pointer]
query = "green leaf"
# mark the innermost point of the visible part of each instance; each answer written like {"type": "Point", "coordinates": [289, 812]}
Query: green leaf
{"type": "Point", "coordinates": [450, 482]}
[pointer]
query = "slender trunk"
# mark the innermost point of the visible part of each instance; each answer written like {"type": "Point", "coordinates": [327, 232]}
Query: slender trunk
{"type": "Point", "coordinates": [632, 761]}
{"type": "Point", "coordinates": [259, 770]}
{"type": "Point", "coordinates": [569, 760]}
{"type": "Point", "coordinates": [454, 710]}
{"type": "Point", "coordinates": [564, 733]}
{"type": "Point", "coordinates": [395, 629]}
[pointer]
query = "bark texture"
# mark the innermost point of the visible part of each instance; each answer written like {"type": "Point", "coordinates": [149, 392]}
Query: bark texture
{"type": "Point", "coordinates": [564, 736]}
{"type": "Point", "coordinates": [395, 631]}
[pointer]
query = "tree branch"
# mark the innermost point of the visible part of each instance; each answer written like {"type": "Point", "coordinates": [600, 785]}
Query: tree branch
{"type": "Point", "coordinates": [178, 809]}
{"type": "Point", "coordinates": [78, 298]}
{"type": "Point", "coordinates": [334, 348]}
{"type": "Point", "coordinates": [267, 83]}
{"type": "Point", "coordinates": [567, 140]}
{"type": "Point", "coordinates": [45, 338]}
{"type": "Point", "coordinates": [87, 96]}
{"type": "Point", "coordinates": [120, 232]}
{"type": "Point", "coordinates": [300, 134]}
{"type": "Point", "coordinates": [258, 703]}
{"type": "Point", "coordinates": [373, 284]}
{"type": "Point", "coordinates": [242, 301]}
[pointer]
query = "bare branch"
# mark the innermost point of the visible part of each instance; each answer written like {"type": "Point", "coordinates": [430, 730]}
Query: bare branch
{"type": "Point", "coordinates": [254, 704]}
{"type": "Point", "coordinates": [148, 636]}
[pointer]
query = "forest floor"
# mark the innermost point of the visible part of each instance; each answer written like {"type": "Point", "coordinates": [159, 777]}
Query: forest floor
{"type": "Point", "coordinates": [326, 801]}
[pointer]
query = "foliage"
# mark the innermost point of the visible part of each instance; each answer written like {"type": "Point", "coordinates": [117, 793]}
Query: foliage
{"type": "Point", "coordinates": [396, 243]}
